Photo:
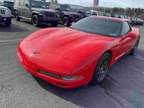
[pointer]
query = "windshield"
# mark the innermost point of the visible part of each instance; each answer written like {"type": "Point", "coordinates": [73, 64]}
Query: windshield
{"type": "Point", "coordinates": [65, 7]}
{"type": "Point", "coordinates": [38, 4]}
{"type": "Point", "coordinates": [101, 26]}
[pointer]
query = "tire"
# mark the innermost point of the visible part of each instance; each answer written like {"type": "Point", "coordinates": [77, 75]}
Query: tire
{"type": "Point", "coordinates": [17, 18]}
{"type": "Point", "coordinates": [102, 69]}
{"type": "Point", "coordinates": [35, 20]}
{"type": "Point", "coordinates": [67, 21]}
{"type": "Point", "coordinates": [133, 51]}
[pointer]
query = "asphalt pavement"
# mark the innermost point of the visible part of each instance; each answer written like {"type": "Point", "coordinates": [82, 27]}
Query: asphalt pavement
{"type": "Point", "coordinates": [123, 87]}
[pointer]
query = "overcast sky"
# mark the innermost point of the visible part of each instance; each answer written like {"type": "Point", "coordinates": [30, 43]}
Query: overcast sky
{"type": "Point", "coordinates": [108, 3]}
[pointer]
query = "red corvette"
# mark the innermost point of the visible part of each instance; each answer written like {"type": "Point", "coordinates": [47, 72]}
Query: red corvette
{"type": "Point", "coordinates": [75, 56]}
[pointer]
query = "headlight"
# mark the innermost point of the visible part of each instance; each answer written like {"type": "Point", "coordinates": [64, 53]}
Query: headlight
{"type": "Point", "coordinates": [71, 78]}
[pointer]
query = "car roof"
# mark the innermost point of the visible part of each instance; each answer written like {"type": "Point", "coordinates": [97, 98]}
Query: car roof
{"type": "Point", "coordinates": [111, 18]}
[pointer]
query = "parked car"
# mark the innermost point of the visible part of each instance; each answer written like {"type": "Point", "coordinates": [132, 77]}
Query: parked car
{"type": "Point", "coordinates": [5, 16]}
{"type": "Point", "coordinates": [35, 11]}
{"type": "Point", "coordinates": [79, 55]}
{"type": "Point", "coordinates": [93, 12]}
{"type": "Point", "coordinates": [140, 21]}
{"type": "Point", "coordinates": [136, 21]}
{"type": "Point", "coordinates": [10, 5]}
{"type": "Point", "coordinates": [79, 9]}
{"type": "Point", "coordinates": [69, 15]}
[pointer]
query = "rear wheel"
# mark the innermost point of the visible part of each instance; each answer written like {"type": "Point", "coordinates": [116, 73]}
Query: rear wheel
{"type": "Point", "coordinates": [102, 69]}
{"type": "Point", "coordinates": [133, 51]}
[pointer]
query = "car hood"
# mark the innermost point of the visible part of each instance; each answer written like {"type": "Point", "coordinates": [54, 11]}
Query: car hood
{"type": "Point", "coordinates": [62, 47]}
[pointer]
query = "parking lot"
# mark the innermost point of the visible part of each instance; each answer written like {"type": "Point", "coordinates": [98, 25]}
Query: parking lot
{"type": "Point", "coordinates": [123, 88]}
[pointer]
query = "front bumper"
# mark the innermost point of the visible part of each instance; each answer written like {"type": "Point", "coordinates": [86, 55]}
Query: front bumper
{"type": "Point", "coordinates": [49, 19]}
{"type": "Point", "coordinates": [5, 19]}
{"type": "Point", "coordinates": [33, 69]}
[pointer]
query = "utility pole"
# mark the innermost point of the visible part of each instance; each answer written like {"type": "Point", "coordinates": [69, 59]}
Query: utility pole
{"type": "Point", "coordinates": [95, 4]}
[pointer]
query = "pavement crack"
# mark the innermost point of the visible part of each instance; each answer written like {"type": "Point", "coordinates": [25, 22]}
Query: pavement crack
{"type": "Point", "coordinates": [108, 87]}
{"type": "Point", "coordinates": [115, 98]}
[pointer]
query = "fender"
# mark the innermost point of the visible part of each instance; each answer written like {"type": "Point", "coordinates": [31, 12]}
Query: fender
{"type": "Point", "coordinates": [36, 13]}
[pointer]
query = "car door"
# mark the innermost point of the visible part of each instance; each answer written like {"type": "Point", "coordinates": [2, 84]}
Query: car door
{"type": "Point", "coordinates": [128, 37]}
{"type": "Point", "coordinates": [124, 41]}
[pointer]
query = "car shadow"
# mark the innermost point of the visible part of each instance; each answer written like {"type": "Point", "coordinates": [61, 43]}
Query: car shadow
{"type": "Point", "coordinates": [12, 28]}
{"type": "Point", "coordinates": [40, 26]}
{"type": "Point", "coordinates": [99, 96]}
{"type": "Point", "coordinates": [28, 22]}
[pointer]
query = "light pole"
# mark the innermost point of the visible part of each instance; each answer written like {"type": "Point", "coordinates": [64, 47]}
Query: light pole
{"type": "Point", "coordinates": [95, 4]}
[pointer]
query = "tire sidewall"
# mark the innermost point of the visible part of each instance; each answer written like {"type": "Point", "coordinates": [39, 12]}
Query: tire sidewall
{"type": "Point", "coordinates": [134, 49]}
{"type": "Point", "coordinates": [94, 78]}
{"type": "Point", "coordinates": [37, 23]}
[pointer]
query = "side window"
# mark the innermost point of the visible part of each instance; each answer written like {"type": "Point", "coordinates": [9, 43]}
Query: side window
{"type": "Point", "coordinates": [125, 28]}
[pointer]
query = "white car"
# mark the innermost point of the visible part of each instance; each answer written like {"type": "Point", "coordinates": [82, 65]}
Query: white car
{"type": "Point", "coordinates": [5, 16]}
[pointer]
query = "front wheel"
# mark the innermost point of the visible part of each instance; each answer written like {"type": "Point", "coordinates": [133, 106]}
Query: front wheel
{"type": "Point", "coordinates": [35, 20]}
{"type": "Point", "coordinates": [102, 69]}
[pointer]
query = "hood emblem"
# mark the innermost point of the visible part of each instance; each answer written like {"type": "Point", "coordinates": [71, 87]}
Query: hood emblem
{"type": "Point", "coordinates": [34, 53]}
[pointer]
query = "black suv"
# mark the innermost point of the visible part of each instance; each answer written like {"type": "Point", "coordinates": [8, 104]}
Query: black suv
{"type": "Point", "coordinates": [36, 11]}
{"type": "Point", "coordinates": [69, 15]}
{"type": "Point", "coordinates": [9, 4]}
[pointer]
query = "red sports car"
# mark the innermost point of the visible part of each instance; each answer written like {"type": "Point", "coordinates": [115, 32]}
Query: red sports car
{"type": "Point", "coordinates": [83, 53]}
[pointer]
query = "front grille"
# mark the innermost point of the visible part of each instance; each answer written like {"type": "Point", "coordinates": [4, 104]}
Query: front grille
{"type": "Point", "coordinates": [50, 14]}
{"type": "Point", "coordinates": [2, 11]}
{"type": "Point", "coordinates": [49, 74]}
{"type": "Point", "coordinates": [76, 16]}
